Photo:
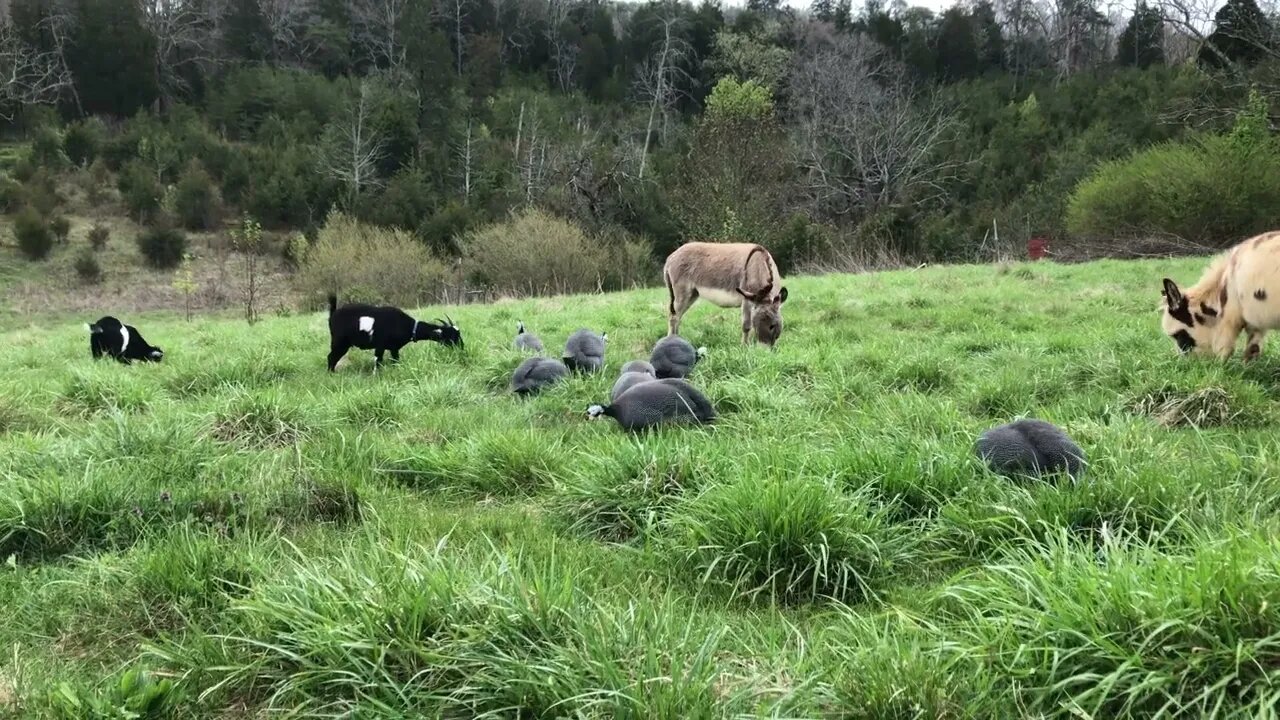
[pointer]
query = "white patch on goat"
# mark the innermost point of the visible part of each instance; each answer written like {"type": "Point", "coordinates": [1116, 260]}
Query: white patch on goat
{"type": "Point", "coordinates": [124, 333]}
{"type": "Point", "coordinates": [366, 324]}
{"type": "Point", "coordinates": [156, 354]}
{"type": "Point", "coordinates": [720, 298]}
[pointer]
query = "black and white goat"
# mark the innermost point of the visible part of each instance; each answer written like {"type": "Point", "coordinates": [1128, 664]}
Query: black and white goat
{"type": "Point", "coordinates": [381, 328]}
{"type": "Point", "coordinates": [113, 338]}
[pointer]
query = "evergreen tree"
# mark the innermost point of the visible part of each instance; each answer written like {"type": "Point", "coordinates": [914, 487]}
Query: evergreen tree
{"type": "Point", "coordinates": [247, 35]}
{"type": "Point", "coordinates": [823, 10]}
{"type": "Point", "coordinates": [1141, 43]}
{"type": "Point", "coordinates": [112, 57]}
{"type": "Point", "coordinates": [991, 47]}
{"type": "Point", "coordinates": [1242, 35]}
{"type": "Point", "coordinates": [957, 54]}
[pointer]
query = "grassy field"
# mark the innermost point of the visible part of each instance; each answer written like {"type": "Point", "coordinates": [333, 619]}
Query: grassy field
{"type": "Point", "coordinates": [237, 533]}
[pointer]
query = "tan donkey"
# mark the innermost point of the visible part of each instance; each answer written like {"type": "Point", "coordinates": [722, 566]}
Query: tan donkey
{"type": "Point", "coordinates": [1240, 290]}
{"type": "Point", "coordinates": [727, 275]}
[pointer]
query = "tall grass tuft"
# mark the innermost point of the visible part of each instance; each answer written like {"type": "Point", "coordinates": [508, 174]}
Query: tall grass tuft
{"type": "Point", "coordinates": [788, 540]}
{"type": "Point", "coordinates": [1129, 630]}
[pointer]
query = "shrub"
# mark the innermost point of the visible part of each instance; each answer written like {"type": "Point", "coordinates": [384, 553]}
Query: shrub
{"type": "Point", "coordinates": [24, 169]}
{"type": "Point", "coordinates": [535, 253]}
{"type": "Point", "coordinates": [443, 230]}
{"type": "Point", "coordinates": [46, 149]}
{"type": "Point", "coordinates": [41, 192]}
{"type": "Point", "coordinates": [35, 240]}
{"type": "Point", "coordinates": [1212, 191]}
{"type": "Point", "coordinates": [99, 182]}
{"type": "Point", "coordinates": [163, 245]}
{"type": "Point", "coordinates": [87, 267]}
{"type": "Point", "coordinates": [364, 262]}
{"type": "Point", "coordinates": [196, 198]}
{"type": "Point", "coordinates": [98, 236]}
{"type": "Point", "coordinates": [83, 141]}
{"type": "Point", "coordinates": [61, 228]}
{"type": "Point", "coordinates": [140, 189]}
{"type": "Point", "coordinates": [12, 196]}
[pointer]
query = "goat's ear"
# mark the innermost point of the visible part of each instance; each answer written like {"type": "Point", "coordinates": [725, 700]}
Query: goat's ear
{"type": "Point", "coordinates": [782, 295]}
{"type": "Point", "coordinates": [1172, 295]}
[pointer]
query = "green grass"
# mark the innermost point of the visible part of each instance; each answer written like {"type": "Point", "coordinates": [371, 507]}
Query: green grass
{"type": "Point", "coordinates": [238, 533]}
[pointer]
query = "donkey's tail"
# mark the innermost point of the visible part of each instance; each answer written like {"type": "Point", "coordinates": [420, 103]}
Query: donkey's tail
{"type": "Point", "coordinates": [671, 292]}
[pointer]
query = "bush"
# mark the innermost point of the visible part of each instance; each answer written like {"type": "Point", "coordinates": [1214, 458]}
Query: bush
{"type": "Point", "coordinates": [1214, 191]}
{"type": "Point", "coordinates": [98, 236]}
{"type": "Point", "coordinates": [12, 196]}
{"type": "Point", "coordinates": [140, 189]}
{"type": "Point", "coordinates": [196, 198]}
{"type": "Point", "coordinates": [87, 267]}
{"type": "Point", "coordinates": [98, 182]}
{"type": "Point", "coordinates": [368, 263]}
{"type": "Point", "coordinates": [163, 245]}
{"type": "Point", "coordinates": [46, 149]}
{"type": "Point", "coordinates": [535, 253]}
{"type": "Point", "coordinates": [24, 169]}
{"type": "Point", "coordinates": [61, 228]}
{"type": "Point", "coordinates": [35, 240]}
{"type": "Point", "coordinates": [41, 192]}
{"type": "Point", "coordinates": [443, 230]}
{"type": "Point", "coordinates": [83, 141]}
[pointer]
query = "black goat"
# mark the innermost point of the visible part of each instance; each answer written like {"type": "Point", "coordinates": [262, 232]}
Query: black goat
{"type": "Point", "coordinates": [123, 342]}
{"type": "Point", "coordinates": [381, 328]}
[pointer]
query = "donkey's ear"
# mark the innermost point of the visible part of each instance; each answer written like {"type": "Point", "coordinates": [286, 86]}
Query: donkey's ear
{"type": "Point", "coordinates": [1172, 295]}
{"type": "Point", "coordinates": [782, 295]}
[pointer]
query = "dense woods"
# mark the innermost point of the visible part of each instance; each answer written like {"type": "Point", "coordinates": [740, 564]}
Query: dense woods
{"type": "Point", "coordinates": [834, 134]}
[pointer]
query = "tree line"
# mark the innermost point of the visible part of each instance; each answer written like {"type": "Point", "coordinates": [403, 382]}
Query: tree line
{"type": "Point", "coordinates": [830, 132]}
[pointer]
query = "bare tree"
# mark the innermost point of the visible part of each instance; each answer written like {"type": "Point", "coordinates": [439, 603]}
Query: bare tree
{"type": "Point", "coordinates": [660, 76]}
{"type": "Point", "coordinates": [512, 19]}
{"type": "Point", "coordinates": [564, 53]}
{"type": "Point", "coordinates": [287, 20]}
{"type": "Point", "coordinates": [454, 14]}
{"type": "Point", "coordinates": [867, 140]}
{"type": "Point", "coordinates": [353, 147]}
{"type": "Point", "coordinates": [532, 166]}
{"type": "Point", "coordinates": [1079, 36]}
{"type": "Point", "coordinates": [376, 25]}
{"type": "Point", "coordinates": [29, 76]}
{"type": "Point", "coordinates": [185, 37]}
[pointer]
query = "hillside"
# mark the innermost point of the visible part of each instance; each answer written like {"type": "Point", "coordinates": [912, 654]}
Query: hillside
{"type": "Point", "coordinates": [259, 536]}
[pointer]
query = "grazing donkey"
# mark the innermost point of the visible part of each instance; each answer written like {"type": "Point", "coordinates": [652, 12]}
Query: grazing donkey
{"type": "Point", "coordinates": [727, 275]}
{"type": "Point", "coordinates": [1240, 290]}
{"type": "Point", "coordinates": [123, 342]}
{"type": "Point", "coordinates": [381, 328]}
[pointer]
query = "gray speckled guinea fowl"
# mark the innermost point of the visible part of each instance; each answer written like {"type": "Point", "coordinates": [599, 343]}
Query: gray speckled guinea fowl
{"type": "Point", "coordinates": [584, 351]}
{"type": "Point", "coordinates": [1030, 447]}
{"type": "Point", "coordinates": [639, 366]}
{"type": "Point", "coordinates": [674, 357]}
{"type": "Point", "coordinates": [527, 341]}
{"type": "Point", "coordinates": [658, 402]}
{"type": "Point", "coordinates": [536, 373]}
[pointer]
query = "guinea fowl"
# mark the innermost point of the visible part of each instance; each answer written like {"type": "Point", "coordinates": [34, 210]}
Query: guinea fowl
{"type": "Point", "coordinates": [1030, 447]}
{"type": "Point", "coordinates": [660, 402]}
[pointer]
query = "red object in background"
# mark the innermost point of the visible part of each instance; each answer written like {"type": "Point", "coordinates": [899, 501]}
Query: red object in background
{"type": "Point", "coordinates": [1037, 248]}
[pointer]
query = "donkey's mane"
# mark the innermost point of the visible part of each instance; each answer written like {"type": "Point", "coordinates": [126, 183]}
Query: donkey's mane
{"type": "Point", "coordinates": [1209, 287]}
